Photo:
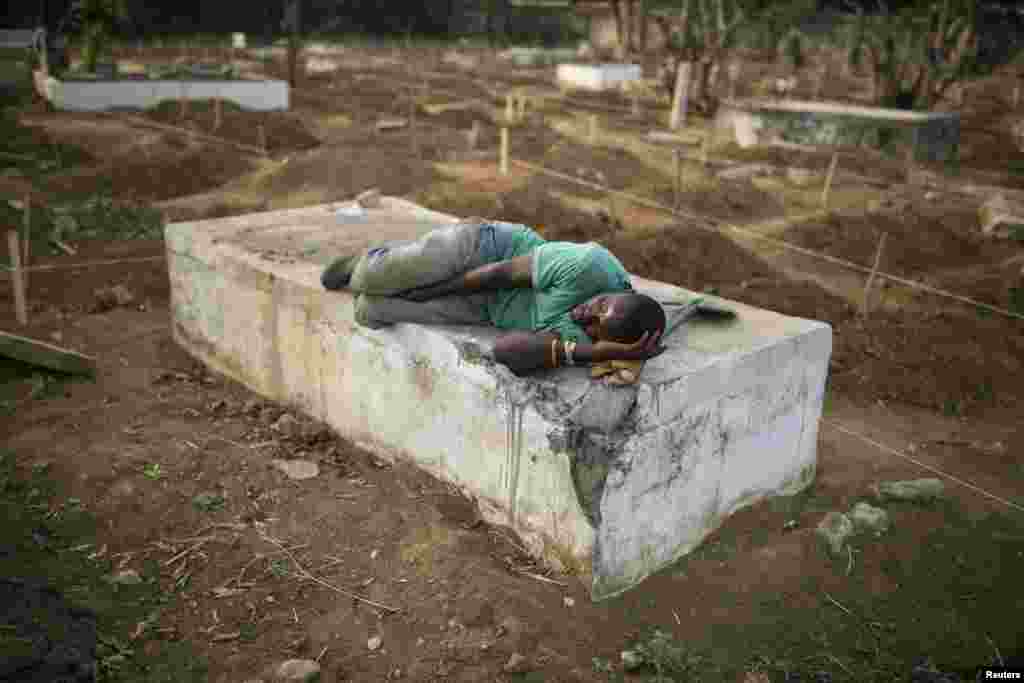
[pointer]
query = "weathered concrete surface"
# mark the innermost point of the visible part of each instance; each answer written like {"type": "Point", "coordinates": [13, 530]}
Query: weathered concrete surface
{"type": "Point", "coordinates": [70, 95]}
{"type": "Point", "coordinates": [932, 136]}
{"type": "Point", "coordinates": [610, 482]}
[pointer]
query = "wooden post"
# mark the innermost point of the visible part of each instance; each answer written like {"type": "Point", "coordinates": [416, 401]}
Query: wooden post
{"type": "Point", "coordinates": [17, 277]}
{"type": "Point", "coordinates": [1016, 95]}
{"type": "Point", "coordinates": [828, 180]}
{"type": "Point", "coordinates": [677, 184]}
{"type": "Point", "coordinates": [871, 277]}
{"type": "Point", "coordinates": [503, 164]}
{"type": "Point", "coordinates": [412, 122]}
{"type": "Point", "coordinates": [734, 77]}
{"type": "Point", "coordinates": [263, 138]}
{"type": "Point", "coordinates": [510, 107]}
{"type": "Point", "coordinates": [218, 113]}
{"type": "Point", "coordinates": [592, 130]}
{"type": "Point", "coordinates": [680, 96]}
{"type": "Point", "coordinates": [26, 238]}
{"type": "Point", "coordinates": [474, 135]}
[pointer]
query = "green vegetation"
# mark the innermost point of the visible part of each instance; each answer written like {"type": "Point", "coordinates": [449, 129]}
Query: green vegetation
{"type": "Point", "coordinates": [54, 538]}
{"type": "Point", "coordinates": [953, 601]}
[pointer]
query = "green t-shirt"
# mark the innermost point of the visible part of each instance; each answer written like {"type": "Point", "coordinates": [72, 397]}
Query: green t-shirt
{"type": "Point", "coordinates": [565, 274]}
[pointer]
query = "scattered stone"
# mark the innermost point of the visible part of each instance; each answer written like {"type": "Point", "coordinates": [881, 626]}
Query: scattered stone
{"type": "Point", "coordinates": [1001, 217]}
{"type": "Point", "coordinates": [287, 425]}
{"type": "Point", "coordinates": [931, 196]}
{"type": "Point", "coordinates": [108, 298]}
{"type": "Point", "coordinates": [834, 529]}
{"type": "Point", "coordinates": [297, 469]}
{"type": "Point", "coordinates": [515, 664]}
{"type": "Point", "coordinates": [369, 199]}
{"type": "Point", "coordinates": [300, 670]}
{"type": "Point", "coordinates": [914, 490]}
{"type": "Point", "coordinates": [128, 577]}
{"type": "Point", "coordinates": [568, 602]}
{"type": "Point", "coordinates": [374, 643]}
{"type": "Point", "coordinates": [392, 124]}
{"type": "Point", "coordinates": [867, 517]}
{"type": "Point", "coordinates": [631, 660]}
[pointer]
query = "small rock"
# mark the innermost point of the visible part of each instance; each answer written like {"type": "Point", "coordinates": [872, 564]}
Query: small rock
{"type": "Point", "coordinates": [300, 670]}
{"type": "Point", "coordinates": [915, 490]}
{"type": "Point", "coordinates": [374, 643]}
{"type": "Point", "coordinates": [128, 577]}
{"type": "Point", "coordinates": [374, 553]}
{"type": "Point", "coordinates": [931, 196]}
{"type": "Point", "coordinates": [515, 664]}
{"type": "Point", "coordinates": [631, 660]}
{"type": "Point", "coordinates": [866, 517]}
{"type": "Point", "coordinates": [287, 425]}
{"type": "Point", "coordinates": [108, 298]}
{"type": "Point", "coordinates": [392, 124]}
{"type": "Point", "coordinates": [369, 199]}
{"type": "Point", "coordinates": [297, 470]}
{"type": "Point", "coordinates": [568, 602]}
{"type": "Point", "coordinates": [834, 529]}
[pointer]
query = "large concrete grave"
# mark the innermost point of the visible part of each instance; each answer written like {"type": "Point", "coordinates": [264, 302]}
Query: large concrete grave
{"type": "Point", "coordinates": [930, 136]}
{"type": "Point", "coordinates": [90, 95]}
{"type": "Point", "coordinates": [612, 483]}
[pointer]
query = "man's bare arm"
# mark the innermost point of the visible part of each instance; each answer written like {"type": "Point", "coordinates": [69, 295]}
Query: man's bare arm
{"type": "Point", "coordinates": [510, 274]}
{"type": "Point", "coordinates": [525, 352]}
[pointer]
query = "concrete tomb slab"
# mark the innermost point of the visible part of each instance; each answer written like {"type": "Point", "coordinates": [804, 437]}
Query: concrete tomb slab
{"type": "Point", "coordinates": [610, 483]}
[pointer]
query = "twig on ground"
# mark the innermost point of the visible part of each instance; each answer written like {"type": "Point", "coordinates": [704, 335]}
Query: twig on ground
{"type": "Point", "coordinates": [849, 566]}
{"type": "Point", "coordinates": [315, 579]}
{"type": "Point", "coordinates": [999, 657]}
{"type": "Point", "coordinates": [838, 662]}
{"type": "Point", "coordinates": [261, 556]}
{"type": "Point", "coordinates": [539, 577]}
{"type": "Point", "coordinates": [224, 637]}
{"type": "Point", "coordinates": [187, 551]}
{"type": "Point", "coordinates": [837, 604]}
{"type": "Point", "coordinates": [321, 655]}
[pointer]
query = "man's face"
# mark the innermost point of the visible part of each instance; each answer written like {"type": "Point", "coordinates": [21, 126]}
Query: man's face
{"type": "Point", "coordinates": [593, 314]}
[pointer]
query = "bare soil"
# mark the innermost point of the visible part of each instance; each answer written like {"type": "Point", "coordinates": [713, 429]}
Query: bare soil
{"type": "Point", "coordinates": [155, 430]}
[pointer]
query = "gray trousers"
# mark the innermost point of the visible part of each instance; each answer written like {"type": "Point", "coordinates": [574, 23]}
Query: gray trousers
{"type": "Point", "coordinates": [439, 255]}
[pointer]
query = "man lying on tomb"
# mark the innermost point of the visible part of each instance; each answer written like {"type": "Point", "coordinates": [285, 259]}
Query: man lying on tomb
{"type": "Point", "coordinates": [564, 303]}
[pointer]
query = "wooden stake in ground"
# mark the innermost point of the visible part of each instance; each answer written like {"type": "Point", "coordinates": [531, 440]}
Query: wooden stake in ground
{"type": "Point", "coordinates": [828, 180]}
{"type": "Point", "coordinates": [26, 238]}
{"type": "Point", "coordinates": [503, 163]}
{"type": "Point", "coordinates": [473, 137]}
{"type": "Point", "coordinates": [17, 277]}
{"type": "Point", "coordinates": [414, 143]}
{"type": "Point", "coordinates": [680, 95]}
{"type": "Point", "coordinates": [871, 277]}
{"type": "Point", "coordinates": [263, 138]}
{"type": "Point", "coordinates": [1016, 95]}
{"type": "Point", "coordinates": [510, 107]}
{"type": "Point", "coordinates": [735, 68]}
{"type": "Point", "coordinates": [218, 113]}
{"type": "Point", "coordinates": [592, 130]}
{"type": "Point", "coordinates": [677, 167]}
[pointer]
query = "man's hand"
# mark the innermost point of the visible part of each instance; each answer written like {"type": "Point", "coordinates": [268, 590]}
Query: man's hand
{"type": "Point", "coordinates": [644, 348]}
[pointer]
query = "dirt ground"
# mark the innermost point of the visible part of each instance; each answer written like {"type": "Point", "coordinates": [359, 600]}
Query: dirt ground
{"type": "Point", "coordinates": [175, 464]}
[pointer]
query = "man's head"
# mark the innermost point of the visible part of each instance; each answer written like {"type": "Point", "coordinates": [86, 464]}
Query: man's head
{"type": "Point", "coordinates": [619, 317]}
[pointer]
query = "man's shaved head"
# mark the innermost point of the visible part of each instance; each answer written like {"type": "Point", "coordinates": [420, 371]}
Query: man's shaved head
{"type": "Point", "coordinates": [632, 315]}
